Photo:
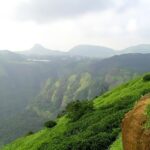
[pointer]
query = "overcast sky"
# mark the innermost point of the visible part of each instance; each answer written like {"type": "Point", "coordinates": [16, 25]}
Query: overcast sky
{"type": "Point", "coordinates": [62, 24]}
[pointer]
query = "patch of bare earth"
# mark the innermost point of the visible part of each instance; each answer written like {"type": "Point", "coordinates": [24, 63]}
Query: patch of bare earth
{"type": "Point", "coordinates": [134, 135]}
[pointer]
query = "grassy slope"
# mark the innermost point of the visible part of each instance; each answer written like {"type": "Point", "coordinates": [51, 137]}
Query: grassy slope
{"type": "Point", "coordinates": [117, 145]}
{"type": "Point", "coordinates": [101, 126]}
{"type": "Point", "coordinates": [41, 137]}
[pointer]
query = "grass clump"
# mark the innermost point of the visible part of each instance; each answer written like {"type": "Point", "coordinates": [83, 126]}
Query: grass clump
{"type": "Point", "coordinates": [147, 112]}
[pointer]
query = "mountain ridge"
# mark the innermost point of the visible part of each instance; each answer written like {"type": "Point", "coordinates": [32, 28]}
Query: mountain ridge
{"type": "Point", "coordinates": [95, 51]}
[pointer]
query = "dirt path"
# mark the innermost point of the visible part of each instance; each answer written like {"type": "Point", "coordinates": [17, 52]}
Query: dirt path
{"type": "Point", "coordinates": [134, 136]}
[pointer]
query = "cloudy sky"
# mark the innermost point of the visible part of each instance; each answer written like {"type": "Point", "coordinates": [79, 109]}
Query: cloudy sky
{"type": "Point", "coordinates": [62, 24]}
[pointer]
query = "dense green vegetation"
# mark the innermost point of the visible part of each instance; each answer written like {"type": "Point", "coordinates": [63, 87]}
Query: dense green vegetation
{"type": "Point", "coordinates": [76, 109]}
{"type": "Point", "coordinates": [94, 130]}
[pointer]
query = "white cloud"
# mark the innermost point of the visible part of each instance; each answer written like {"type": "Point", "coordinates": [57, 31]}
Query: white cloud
{"type": "Point", "coordinates": [132, 25]}
{"type": "Point", "coordinates": [124, 23]}
{"type": "Point", "coordinates": [48, 10]}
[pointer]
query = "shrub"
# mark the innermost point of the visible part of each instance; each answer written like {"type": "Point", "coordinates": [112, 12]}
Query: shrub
{"type": "Point", "coordinates": [50, 124]}
{"type": "Point", "coordinates": [77, 109]}
{"type": "Point", "coordinates": [29, 133]}
{"type": "Point", "coordinates": [146, 77]}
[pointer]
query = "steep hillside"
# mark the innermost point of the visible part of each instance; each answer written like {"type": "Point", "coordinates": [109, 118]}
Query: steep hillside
{"type": "Point", "coordinates": [94, 129]}
{"type": "Point", "coordinates": [96, 78]}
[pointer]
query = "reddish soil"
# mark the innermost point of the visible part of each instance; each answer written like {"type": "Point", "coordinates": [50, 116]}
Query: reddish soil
{"type": "Point", "coordinates": [134, 136]}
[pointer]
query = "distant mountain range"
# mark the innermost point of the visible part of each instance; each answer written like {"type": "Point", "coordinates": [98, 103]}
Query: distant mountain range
{"type": "Point", "coordinates": [86, 51]}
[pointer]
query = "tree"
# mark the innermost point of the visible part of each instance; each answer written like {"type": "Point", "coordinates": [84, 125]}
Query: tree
{"type": "Point", "coordinates": [50, 124]}
{"type": "Point", "coordinates": [146, 77]}
{"type": "Point", "coordinates": [78, 108]}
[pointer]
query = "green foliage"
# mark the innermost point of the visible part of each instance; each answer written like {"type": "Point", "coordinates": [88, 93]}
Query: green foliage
{"type": "Point", "coordinates": [50, 124]}
{"type": "Point", "coordinates": [93, 130]}
{"type": "Point", "coordinates": [76, 109]}
{"type": "Point", "coordinates": [43, 146]}
{"type": "Point", "coordinates": [146, 77]}
{"type": "Point", "coordinates": [147, 112]}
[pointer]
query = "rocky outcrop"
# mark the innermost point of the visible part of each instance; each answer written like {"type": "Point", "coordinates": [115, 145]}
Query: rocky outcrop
{"type": "Point", "coordinates": [134, 135]}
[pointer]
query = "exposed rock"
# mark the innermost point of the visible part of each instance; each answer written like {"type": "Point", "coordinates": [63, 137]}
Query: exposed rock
{"type": "Point", "coordinates": [134, 135]}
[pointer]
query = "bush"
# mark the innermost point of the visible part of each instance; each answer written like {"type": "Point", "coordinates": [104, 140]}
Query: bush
{"type": "Point", "coordinates": [99, 141]}
{"type": "Point", "coordinates": [50, 124]}
{"type": "Point", "coordinates": [29, 133]}
{"type": "Point", "coordinates": [77, 109]}
{"type": "Point", "coordinates": [146, 77]}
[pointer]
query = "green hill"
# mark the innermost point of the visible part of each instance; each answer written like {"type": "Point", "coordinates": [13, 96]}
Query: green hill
{"type": "Point", "coordinates": [91, 130]}
{"type": "Point", "coordinates": [91, 51]}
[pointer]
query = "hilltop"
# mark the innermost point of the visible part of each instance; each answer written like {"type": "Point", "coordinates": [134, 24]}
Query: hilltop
{"type": "Point", "coordinates": [91, 51]}
{"type": "Point", "coordinates": [38, 49]}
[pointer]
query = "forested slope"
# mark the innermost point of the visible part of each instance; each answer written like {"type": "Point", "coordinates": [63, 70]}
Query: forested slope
{"type": "Point", "coordinates": [92, 129]}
